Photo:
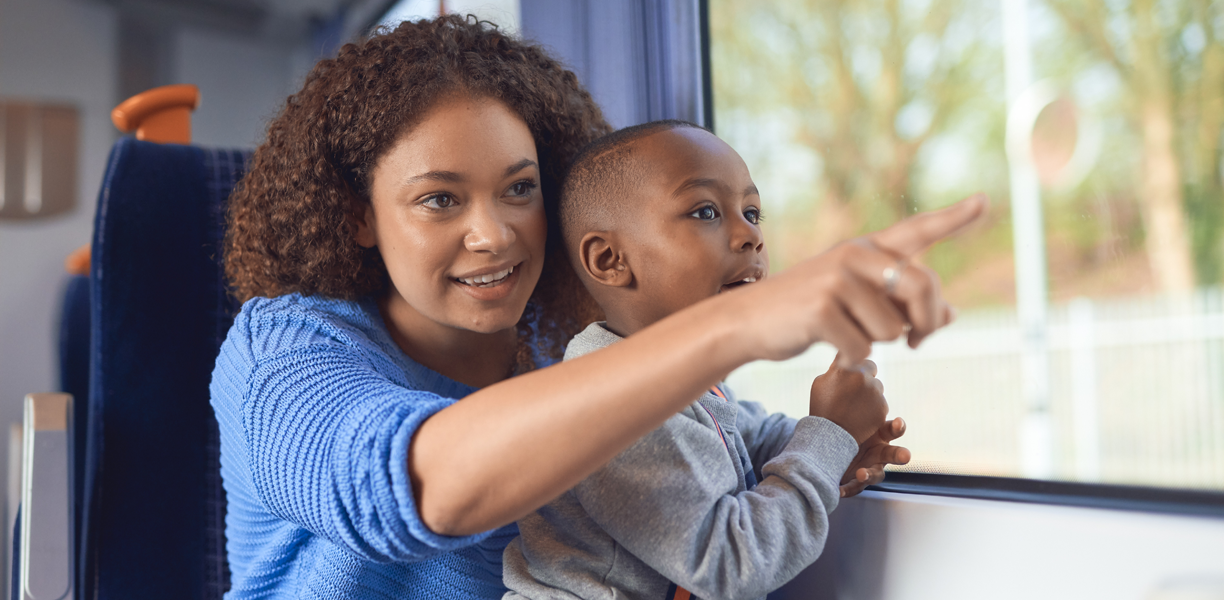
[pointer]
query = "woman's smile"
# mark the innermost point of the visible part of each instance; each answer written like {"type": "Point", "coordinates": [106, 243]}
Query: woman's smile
{"type": "Point", "coordinates": [490, 286]}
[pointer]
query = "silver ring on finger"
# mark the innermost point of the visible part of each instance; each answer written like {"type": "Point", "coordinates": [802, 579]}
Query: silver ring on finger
{"type": "Point", "coordinates": [892, 276]}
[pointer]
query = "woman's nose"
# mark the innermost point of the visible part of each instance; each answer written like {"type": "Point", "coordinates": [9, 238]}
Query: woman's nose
{"type": "Point", "coordinates": [488, 231]}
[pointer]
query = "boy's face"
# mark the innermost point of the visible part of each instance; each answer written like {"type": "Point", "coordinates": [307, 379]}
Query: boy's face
{"type": "Point", "coordinates": [697, 229]}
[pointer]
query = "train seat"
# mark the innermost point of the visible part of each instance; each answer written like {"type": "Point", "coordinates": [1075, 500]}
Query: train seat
{"type": "Point", "coordinates": [149, 505]}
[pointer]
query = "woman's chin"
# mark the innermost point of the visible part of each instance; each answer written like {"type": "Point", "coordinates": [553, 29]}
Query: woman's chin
{"type": "Point", "coordinates": [490, 328]}
{"type": "Point", "coordinates": [493, 319]}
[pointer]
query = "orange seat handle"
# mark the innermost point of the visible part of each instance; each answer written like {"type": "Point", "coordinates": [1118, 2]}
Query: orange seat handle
{"type": "Point", "coordinates": [161, 115]}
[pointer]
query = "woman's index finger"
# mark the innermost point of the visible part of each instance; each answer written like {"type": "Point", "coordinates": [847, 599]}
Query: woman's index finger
{"type": "Point", "coordinates": [919, 232]}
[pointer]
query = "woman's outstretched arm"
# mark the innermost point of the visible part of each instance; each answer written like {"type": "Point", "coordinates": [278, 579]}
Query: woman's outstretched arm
{"type": "Point", "coordinates": [508, 449]}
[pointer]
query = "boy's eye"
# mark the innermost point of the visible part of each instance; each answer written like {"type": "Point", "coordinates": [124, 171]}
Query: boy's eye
{"type": "Point", "coordinates": [753, 215]}
{"type": "Point", "coordinates": [705, 213]}
{"type": "Point", "coordinates": [438, 201]}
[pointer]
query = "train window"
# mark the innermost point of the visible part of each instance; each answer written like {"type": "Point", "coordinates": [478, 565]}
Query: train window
{"type": "Point", "coordinates": [1090, 340]}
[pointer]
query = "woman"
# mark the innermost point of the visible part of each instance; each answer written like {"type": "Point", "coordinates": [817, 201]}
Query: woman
{"type": "Point", "coordinates": [391, 245]}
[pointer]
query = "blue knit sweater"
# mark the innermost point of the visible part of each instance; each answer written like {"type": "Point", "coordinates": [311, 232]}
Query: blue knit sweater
{"type": "Point", "coordinates": [316, 406]}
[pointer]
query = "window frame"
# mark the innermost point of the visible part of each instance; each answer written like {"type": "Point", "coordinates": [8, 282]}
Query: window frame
{"type": "Point", "coordinates": [1147, 499]}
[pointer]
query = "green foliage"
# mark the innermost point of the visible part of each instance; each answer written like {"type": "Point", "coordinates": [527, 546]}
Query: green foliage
{"type": "Point", "coordinates": [1205, 209]}
{"type": "Point", "coordinates": [900, 104]}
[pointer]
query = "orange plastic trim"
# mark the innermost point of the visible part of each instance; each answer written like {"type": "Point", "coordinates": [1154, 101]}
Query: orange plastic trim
{"type": "Point", "coordinates": [77, 263]}
{"type": "Point", "coordinates": [161, 115]}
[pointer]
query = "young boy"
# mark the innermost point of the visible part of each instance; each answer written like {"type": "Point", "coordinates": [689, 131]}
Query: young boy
{"type": "Point", "coordinates": [723, 500]}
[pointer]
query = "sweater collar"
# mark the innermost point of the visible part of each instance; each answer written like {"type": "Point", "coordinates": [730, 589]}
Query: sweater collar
{"type": "Point", "coordinates": [594, 337]}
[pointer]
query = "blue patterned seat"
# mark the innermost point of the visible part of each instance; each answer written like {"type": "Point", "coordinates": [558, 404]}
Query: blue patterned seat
{"type": "Point", "coordinates": [150, 503]}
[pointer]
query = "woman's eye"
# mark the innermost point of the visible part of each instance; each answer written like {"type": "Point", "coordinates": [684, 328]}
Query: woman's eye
{"type": "Point", "coordinates": [705, 213]}
{"type": "Point", "coordinates": [438, 201]}
{"type": "Point", "coordinates": [754, 216]}
{"type": "Point", "coordinates": [523, 188]}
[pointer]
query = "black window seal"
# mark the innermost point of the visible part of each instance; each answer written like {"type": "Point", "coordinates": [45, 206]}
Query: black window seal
{"type": "Point", "coordinates": [1173, 501]}
{"type": "Point", "coordinates": [707, 76]}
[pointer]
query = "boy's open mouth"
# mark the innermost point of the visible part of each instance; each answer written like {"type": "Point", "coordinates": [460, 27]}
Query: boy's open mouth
{"type": "Point", "coordinates": [755, 276]}
{"type": "Point", "coordinates": [489, 280]}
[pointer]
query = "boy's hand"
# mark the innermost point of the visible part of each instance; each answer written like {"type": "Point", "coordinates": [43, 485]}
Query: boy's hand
{"type": "Point", "coordinates": [852, 399]}
{"type": "Point", "coordinates": [867, 468]}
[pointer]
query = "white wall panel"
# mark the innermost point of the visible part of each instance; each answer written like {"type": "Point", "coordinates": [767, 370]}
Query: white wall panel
{"type": "Point", "coordinates": [911, 547]}
{"type": "Point", "coordinates": [243, 83]}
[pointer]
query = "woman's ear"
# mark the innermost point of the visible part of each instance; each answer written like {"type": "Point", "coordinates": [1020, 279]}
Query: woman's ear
{"type": "Point", "coordinates": [365, 228]}
{"type": "Point", "coordinates": [603, 261]}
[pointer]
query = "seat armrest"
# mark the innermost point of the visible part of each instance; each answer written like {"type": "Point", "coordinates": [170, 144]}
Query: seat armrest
{"type": "Point", "coordinates": [45, 564]}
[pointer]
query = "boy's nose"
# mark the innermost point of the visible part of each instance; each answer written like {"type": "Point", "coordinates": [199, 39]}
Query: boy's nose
{"type": "Point", "coordinates": [747, 237]}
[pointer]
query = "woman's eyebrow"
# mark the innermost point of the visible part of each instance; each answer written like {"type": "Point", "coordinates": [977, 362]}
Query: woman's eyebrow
{"type": "Point", "coordinates": [443, 176]}
{"type": "Point", "coordinates": [752, 190]}
{"type": "Point", "coordinates": [519, 166]}
{"type": "Point", "coordinates": [453, 177]}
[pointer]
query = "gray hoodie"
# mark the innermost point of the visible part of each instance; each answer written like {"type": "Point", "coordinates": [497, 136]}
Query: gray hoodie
{"type": "Point", "coordinates": [674, 507]}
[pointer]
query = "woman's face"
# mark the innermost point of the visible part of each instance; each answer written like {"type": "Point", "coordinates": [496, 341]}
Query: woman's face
{"type": "Point", "coordinates": [457, 215]}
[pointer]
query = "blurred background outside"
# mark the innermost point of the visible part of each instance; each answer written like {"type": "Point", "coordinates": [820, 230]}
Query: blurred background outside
{"type": "Point", "coordinates": [1090, 341]}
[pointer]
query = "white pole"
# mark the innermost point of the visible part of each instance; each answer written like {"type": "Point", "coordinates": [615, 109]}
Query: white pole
{"type": "Point", "coordinates": [1036, 431]}
{"type": "Point", "coordinates": [1085, 412]}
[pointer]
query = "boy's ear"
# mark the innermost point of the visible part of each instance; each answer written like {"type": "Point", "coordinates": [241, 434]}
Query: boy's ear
{"type": "Point", "coordinates": [603, 261]}
{"type": "Point", "coordinates": [365, 228]}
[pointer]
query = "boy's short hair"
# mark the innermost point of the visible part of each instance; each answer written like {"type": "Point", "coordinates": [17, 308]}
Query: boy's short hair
{"type": "Point", "coordinates": [602, 176]}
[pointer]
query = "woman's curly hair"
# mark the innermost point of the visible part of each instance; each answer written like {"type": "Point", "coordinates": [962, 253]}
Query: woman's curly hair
{"type": "Point", "coordinates": [292, 219]}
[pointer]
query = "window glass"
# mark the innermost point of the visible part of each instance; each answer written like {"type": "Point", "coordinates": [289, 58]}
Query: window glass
{"type": "Point", "coordinates": [1090, 340]}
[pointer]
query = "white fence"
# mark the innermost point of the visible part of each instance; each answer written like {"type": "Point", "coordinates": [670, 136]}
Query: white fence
{"type": "Point", "coordinates": [1136, 391]}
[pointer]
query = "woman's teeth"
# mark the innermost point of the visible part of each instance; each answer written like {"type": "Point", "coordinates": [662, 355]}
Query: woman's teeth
{"type": "Point", "coordinates": [749, 280]}
{"type": "Point", "coordinates": [489, 280]}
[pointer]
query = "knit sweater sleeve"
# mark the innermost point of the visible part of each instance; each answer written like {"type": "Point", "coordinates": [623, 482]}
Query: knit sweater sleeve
{"type": "Point", "coordinates": [670, 500]}
{"type": "Point", "coordinates": [327, 443]}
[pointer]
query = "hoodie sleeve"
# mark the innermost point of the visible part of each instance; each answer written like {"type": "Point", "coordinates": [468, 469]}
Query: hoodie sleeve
{"type": "Point", "coordinates": [670, 499]}
{"type": "Point", "coordinates": [765, 434]}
